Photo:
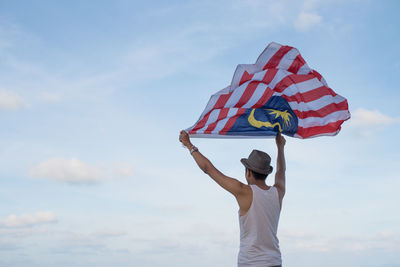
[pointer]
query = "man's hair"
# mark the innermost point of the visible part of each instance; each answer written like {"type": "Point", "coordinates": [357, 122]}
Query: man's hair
{"type": "Point", "coordinates": [258, 176]}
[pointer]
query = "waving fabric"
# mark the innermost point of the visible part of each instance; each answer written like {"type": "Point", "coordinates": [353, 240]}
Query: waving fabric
{"type": "Point", "coordinates": [279, 93]}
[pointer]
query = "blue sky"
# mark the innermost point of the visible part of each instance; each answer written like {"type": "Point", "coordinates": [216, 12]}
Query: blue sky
{"type": "Point", "coordinates": [93, 95]}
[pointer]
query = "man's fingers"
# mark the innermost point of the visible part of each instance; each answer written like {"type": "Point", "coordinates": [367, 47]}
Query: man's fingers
{"type": "Point", "coordinates": [183, 135]}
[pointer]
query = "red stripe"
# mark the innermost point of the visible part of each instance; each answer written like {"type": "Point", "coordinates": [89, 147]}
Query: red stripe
{"type": "Point", "coordinates": [316, 73]}
{"type": "Point", "coordinates": [218, 105]}
{"type": "Point", "coordinates": [276, 59]}
{"type": "Point", "coordinates": [201, 123]}
{"type": "Point", "coordinates": [245, 77]}
{"type": "Point", "coordinates": [291, 79]}
{"type": "Point", "coordinates": [248, 92]}
{"type": "Point", "coordinates": [222, 115]}
{"type": "Point", "coordinates": [232, 120]}
{"type": "Point", "coordinates": [269, 75]}
{"type": "Point", "coordinates": [316, 130]}
{"type": "Point", "coordinates": [297, 63]}
{"type": "Point", "coordinates": [311, 95]}
{"type": "Point", "coordinates": [320, 113]}
{"type": "Point", "coordinates": [264, 98]}
{"type": "Point", "coordinates": [222, 101]}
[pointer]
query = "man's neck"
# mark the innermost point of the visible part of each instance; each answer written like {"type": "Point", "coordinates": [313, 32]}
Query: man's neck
{"type": "Point", "coordinates": [260, 183]}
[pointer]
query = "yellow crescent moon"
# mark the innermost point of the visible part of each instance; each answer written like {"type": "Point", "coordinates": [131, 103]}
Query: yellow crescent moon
{"type": "Point", "coordinates": [259, 124]}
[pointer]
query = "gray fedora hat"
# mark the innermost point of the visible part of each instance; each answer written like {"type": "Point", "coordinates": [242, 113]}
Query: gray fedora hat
{"type": "Point", "coordinates": [258, 161]}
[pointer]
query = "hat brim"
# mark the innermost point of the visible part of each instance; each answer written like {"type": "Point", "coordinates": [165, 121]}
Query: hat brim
{"type": "Point", "coordinates": [246, 163]}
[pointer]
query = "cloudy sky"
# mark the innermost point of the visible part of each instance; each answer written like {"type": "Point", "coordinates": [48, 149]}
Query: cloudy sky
{"type": "Point", "coordinates": [93, 95]}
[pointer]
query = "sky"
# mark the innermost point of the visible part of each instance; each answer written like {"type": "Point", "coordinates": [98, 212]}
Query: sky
{"type": "Point", "coordinates": [93, 95]}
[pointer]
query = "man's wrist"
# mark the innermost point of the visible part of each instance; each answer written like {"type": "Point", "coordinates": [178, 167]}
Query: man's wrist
{"type": "Point", "coordinates": [189, 146]}
{"type": "Point", "coordinates": [193, 149]}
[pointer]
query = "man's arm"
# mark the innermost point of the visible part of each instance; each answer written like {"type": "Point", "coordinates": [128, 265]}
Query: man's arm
{"type": "Point", "coordinates": [230, 184]}
{"type": "Point", "coordinates": [280, 178]}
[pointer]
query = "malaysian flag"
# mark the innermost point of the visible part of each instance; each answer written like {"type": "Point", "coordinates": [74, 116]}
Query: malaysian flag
{"type": "Point", "coordinates": [279, 93]}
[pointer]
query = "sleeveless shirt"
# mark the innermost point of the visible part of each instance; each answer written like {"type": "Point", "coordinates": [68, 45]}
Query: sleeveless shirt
{"type": "Point", "coordinates": [259, 245]}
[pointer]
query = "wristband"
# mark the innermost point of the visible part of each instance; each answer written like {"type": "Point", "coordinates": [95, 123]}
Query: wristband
{"type": "Point", "coordinates": [193, 149]}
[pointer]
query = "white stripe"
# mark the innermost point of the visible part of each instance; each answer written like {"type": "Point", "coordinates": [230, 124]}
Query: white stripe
{"type": "Point", "coordinates": [209, 106]}
{"type": "Point", "coordinates": [288, 59]}
{"type": "Point", "coordinates": [267, 54]}
{"type": "Point", "coordinates": [301, 87]}
{"type": "Point", "coordinates": [213, 99]}
{"type": "Point", "coordinates": [261, 61]}
{"type": "Point", "coordinates": [212, 118]}
{"type": "Point", "coordinates": [258, 93]}
{"type": "Point", "coordinates": [221, 124]}
{"type": "Point", "coordinates": [258, 76]}
{"type": "Point", "coordinates": [240, 69]}
{"type": "Point", "coordinates": [323, 81]}
{"type": "Point", "coordinates": [316, 104]}
{"type": "Point", "coordinates": [280, 74]}
{"type": "Point", "coordinates": [232, 101]}
{"type": "Point", "coordinates": [317, 135]}
{"type": "Point", "coordinates": [305, 69]}
{"type": "Point", "coordinates": [237, 76]}
{"type": "Point", "coordinates": [315, 121]}
{"type": "Point", "coordinates": [237, 94]}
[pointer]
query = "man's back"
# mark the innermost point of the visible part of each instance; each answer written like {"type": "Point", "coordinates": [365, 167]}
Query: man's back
{"type": "Point", "coordinates": [259, 245]}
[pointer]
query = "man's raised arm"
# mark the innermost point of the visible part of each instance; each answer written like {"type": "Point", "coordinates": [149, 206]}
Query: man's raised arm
{"type": "Point", "coordinates": [280, 167]}
{"type": "Point", "coordinates": [230, 184]}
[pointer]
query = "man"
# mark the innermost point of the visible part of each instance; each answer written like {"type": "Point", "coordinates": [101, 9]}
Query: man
{"type": "Point", "coordinates": [259, 204]}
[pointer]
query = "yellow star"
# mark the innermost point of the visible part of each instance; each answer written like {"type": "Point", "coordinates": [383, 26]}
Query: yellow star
{"type": "Point", "coordinates": [284, 114]}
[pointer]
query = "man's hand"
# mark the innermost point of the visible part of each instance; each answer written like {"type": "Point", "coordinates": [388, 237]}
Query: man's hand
{"type": "Point", "coordinates": [185, 139]}
{"type": "Point", "coordinates": [280, 140]}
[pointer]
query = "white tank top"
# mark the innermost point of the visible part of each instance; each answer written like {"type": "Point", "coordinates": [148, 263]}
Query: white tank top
{"type": "Point", "coordinates": [259, 245]}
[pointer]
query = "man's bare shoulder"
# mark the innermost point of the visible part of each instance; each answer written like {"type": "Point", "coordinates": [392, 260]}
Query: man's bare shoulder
{"type": "Point", "coordinates": [245, 189]}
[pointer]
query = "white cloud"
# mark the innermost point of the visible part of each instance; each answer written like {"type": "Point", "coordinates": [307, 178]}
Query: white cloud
{"type": "Point", "coordinates": [109, 233]}
{"type": "Point", "coordinates": [385, 240]}
{"type": "Point", "coordinates": [27, 220]}
{"type": "Point", "coordinates": [123, 169]}
{"type": "Point", "coordinates": [10, 100]}
{"type": "Point", "coordinates": [76, 171]}
{"type": "Point", "coordinates": [371, 118]}
{"type": "Point", "coordinates": [368, 122]}
{"type": "Point", "coordinates": [312, 4]}
{"type": "Point", "coordinates": [67, 170]}
{"type": "Point", "coordinates": [51, 97]}
{"type": "Point", "coordinates": [306, 20]}
{"type": "Point", "coordinates": [7, 246]}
